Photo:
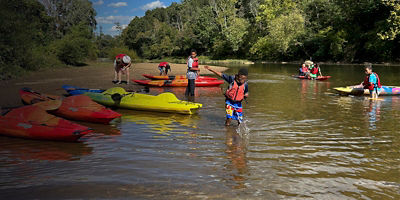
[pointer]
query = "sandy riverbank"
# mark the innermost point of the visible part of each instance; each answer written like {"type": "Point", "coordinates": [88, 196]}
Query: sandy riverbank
{"type": "Point", "coordinates": [95, 75]}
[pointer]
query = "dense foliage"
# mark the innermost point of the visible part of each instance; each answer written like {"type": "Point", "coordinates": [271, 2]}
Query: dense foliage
{"type": "Point", "coordinates": [45, 33]}
{"type": "Point", "coordinates": [324, 30]}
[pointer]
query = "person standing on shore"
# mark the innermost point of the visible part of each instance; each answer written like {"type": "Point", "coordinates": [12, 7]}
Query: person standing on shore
{"type": "Point", "coordinates": [237, 91]}
{"type": "Point", "coordinates": [192, 72]}
{"type": "Point", "coordinates": [122, 64]}
{"type": "Point", "coordinates": [164, 67]}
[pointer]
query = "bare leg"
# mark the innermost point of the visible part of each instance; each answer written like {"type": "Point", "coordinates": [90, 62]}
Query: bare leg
{"type": "Point", "coordinates": [127, 75]}
{"type": "Point", "coordinates": [119, 76]}
{"type": "Point", "coordinates": [228, 121]}
{"type": "Point", "coordinates": [115, 75]}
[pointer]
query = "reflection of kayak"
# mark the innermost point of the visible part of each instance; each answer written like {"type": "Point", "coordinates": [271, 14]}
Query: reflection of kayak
{"type": "Point", "coordinates": [35, 123]}
{"type": "Point", "coordinates": [319, 78]}
{"type": "Point", "coordinates": [41, 150]}
{"type": "Point", "coordinates": [79, 107]}
{"type": "Point", "coordinates": [73, 90]}
{"type": "Point", "coordinates": [163, 123]}
{"type": "Point", "coordinates": [164, 102]}
{"type": "Point", "coordinates": [385, 90]}
{"type": "Point", "coordinates": [176, 77]}
{"type": "Point", "coordinates": [179, 83]}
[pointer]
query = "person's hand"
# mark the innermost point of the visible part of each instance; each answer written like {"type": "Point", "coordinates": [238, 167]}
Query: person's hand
{"type": "Point", "coordinates": [207, 67]}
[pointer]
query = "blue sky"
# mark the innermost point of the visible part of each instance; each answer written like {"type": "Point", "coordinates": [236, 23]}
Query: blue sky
{"type": "Point", "coordinates": [111, 11]}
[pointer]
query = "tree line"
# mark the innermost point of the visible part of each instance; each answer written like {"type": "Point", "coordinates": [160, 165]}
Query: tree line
{"type": "Point", "coordinates": [47, 33]}
{"type": "Point", "coordinates": [271, 30]}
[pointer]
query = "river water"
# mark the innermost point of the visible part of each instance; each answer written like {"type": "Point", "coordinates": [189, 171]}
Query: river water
{"type": "Point", "coordinates": [299, 140]}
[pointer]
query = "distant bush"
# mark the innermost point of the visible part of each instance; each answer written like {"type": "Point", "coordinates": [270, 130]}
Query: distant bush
{"type": "Point", "coordinates": [75, 47]}
{"type": "Point", "coordinates": [122, 50]}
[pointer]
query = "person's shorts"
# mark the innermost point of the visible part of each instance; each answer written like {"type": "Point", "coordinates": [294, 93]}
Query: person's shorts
{"type": "Point", "coordinates": [161, 69]}
{"type": "Point", "coordinates": [234, 110]}
{"type": "Point", "coordinates": [313, 75]}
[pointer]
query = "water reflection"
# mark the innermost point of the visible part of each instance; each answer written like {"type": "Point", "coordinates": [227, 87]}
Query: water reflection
{"type": "Point", "coordinates": [236, 150]}
{"type": "Point", "coordinates": [13, 149]}
{"type": "Point", "coordinates": [373, 112]}
{"type": "Point", "coordinates": [163, 124]}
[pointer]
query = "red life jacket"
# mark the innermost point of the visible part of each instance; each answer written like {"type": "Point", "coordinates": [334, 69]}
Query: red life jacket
{"type": "Point", "coordinates": [314, 70]}
{"type": "Point", "coordinates": [163, 64]}
{"type": "Point", "coordinates": [121, 56]}
{"type": "Point", "coordinates": [235, 92]}
{"type": "Point", "coordinates": [371, 86]}
{"type": "Point", "coordinates": [195, 64]}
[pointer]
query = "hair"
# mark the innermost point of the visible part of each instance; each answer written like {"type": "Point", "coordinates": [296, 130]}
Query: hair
{"type": "Point", "coordinates": [368, 66]}
{"type": "Point", "coordinates": [243, 71]}
{"type": "Point", "coordinates": [193, 50]}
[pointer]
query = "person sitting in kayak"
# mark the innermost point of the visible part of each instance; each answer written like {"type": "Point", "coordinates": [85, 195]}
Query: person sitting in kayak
{"type": "Point", "coordinates": [164, 67]}
{"type": "Point", "coordinates": [237, 91]}
{"type": "Point", "coordinates": [371, 82]}
{"type": "Point", "coordinates": [122, 64]}
{"type": "Point", "coordinates": [303, 71]}
{"type": "Point", "coordinates": [314, 71]}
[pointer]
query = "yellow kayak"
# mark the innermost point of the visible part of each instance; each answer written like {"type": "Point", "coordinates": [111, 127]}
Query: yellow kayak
{"type": "Point", "coordinates": [164, 102]}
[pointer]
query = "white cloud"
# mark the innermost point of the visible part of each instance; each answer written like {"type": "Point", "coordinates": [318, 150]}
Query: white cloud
{"type": "Point", "coordinates": [114, 28]}
{"type": "Point", "coordinates": [98, 3]}
{"type": "Point", "coordinates": [112, 19]}
{"type": "Point", "coordinates": [152, 5]}
{"type": "Point", "coordinates": [118, 4]}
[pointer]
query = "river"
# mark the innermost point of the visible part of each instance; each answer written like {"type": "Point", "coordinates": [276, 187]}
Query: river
{"type": "Point", "coordinates": [299, 140]}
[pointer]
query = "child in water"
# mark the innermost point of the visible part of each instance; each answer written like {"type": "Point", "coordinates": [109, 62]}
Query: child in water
{"type": "Point", "coordinates": [237, 91]}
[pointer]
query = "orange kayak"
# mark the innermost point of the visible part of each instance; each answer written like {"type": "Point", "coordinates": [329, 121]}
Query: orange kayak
{"type": "Point", "coordinates": [176, 77]}
{"type": "Point", "coordinates": [35, 123]}
{"type": "Point", "coordinates": [179, 83]}
{"type": "Point", "coordinates": [80, 107]}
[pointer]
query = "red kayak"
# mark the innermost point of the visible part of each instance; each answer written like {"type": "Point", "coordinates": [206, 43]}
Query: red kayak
{"type": "Point", "coordinates": [179, 83]}
{"type": "Point", "coordinates": [79, 107]}
{"type": "Point", "coordinates": [177, 77]}
{"type": "Point", "coordinates": [319, 78]}
{"type": "Point", "coordinates": [35, 123]}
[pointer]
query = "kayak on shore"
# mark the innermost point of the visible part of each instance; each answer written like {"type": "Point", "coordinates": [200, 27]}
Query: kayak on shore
{"type": "Point", "coordinates": [319, 78]}
{"type": "Point", "coordinates": [73, 90]}
{"type": "Point", "coordinates": [176, 77]}
{"type": "Point", "coordinates": [79, 107]}
{"type": "Point", "coordinates": [179, 83]}
{"type": "Point", "coordinates": [33, 122]}
{"type": "Point", "coordinates": [351, 90]}
{"type": "Point", "coordinates": [164, 102]}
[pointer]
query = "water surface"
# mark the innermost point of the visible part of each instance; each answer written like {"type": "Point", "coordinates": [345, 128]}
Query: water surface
{"type": "Point", "coordinates": [299, 140]}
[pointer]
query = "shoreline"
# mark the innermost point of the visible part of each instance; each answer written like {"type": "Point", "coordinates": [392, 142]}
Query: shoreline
{"type": "Point", "coordinates": [94, 75]}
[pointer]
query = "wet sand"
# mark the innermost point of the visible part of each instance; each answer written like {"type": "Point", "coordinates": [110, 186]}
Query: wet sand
{"type": "Point", "coordinates": [95, 75]}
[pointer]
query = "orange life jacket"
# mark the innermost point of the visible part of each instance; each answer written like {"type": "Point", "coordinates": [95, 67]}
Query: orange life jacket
{"type": "Point", "coordinates": [235, 92]}
{"type": "Point", "coordinates": [369, 85]}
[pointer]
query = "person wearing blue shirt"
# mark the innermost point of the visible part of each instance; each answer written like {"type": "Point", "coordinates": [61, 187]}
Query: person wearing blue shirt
{"type": "Point", "coordinates": [237, 91]}
{"type": "Point", "coordinates": [371, 82]}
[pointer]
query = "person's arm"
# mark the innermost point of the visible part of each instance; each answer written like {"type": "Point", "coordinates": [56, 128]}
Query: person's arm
{"type": "Point", "coordinates": [213, 71]}
{"type": "Point", "coordinates": [246, 90]}
{"type": "Point", "coordinates": [319, 69]}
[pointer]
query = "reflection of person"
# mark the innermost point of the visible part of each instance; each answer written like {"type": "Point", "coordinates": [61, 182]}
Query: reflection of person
{"type": "Point", "coordinates": [192, 72]}
{"type": "Point", "coordinates": [164, 67]}
{"type": "Point", "coordinates": [371, 82]}
{"type": "Point", "coordinates": [236, 152]}
{"type": "Point", "coordinates": [237, 91]}
{"type": "Point", "coordinates": [122, 64]}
